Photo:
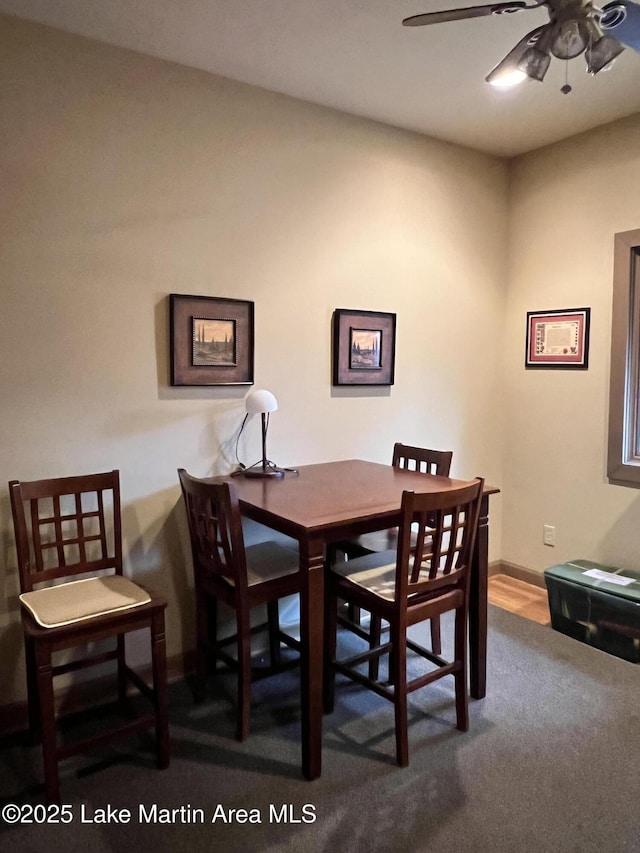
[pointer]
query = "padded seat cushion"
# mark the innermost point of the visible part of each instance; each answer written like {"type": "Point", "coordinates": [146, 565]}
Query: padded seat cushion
{"type": "Point", "coordinates": [74, 601]}
{"type": "Point", "coordinates": [378, 540]}
{"type": "Point", "coordinates": [375, 572]}
{"type": "Point", "coordinates": [269, 560]}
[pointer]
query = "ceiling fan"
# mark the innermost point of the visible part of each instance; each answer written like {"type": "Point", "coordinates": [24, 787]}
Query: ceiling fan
{"type": "Point", "coordinates": [574, 27]}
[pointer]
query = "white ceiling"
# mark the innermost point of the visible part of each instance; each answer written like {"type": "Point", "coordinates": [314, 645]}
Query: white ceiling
{"type": "Point", "coordinates": [356, 56]}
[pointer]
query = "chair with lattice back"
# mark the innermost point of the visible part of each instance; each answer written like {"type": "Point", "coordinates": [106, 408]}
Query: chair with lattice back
{"type": "Point", "coordinates": [74, 594]}
{"type": "Point", "coordinates": [243, 577]}
{"type": "Point", "coordinates": [422, 459]}
{"type": "Point", "coordinates": [422, 580]}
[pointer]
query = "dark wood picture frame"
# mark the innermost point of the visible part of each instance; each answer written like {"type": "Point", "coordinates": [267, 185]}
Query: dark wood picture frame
{"type": "Point", "coordinates": [558, 339]}
{"type": "Point", "coordinates": [197, 361]}
{"type": "Point", "coordinates": [364, 347]}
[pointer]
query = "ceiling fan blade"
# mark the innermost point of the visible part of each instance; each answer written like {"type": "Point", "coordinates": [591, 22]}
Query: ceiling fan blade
{"type": "Point", "coordinates": [468, 12]}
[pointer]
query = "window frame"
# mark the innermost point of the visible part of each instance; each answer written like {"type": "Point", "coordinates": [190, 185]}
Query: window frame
{"type": "Point", "coordinates": [623, 462]}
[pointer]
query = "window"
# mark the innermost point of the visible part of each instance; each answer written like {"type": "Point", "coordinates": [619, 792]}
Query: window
{"type": "Point", "coordinates": [624, 401]}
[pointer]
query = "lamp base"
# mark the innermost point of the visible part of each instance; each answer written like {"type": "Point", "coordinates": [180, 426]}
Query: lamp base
{"type": "Point", "coordinates": [258, 472]}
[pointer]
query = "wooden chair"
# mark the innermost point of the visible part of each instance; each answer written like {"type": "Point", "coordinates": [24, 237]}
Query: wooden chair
{"type": "Point", "coordinates": [406, 587]}
{"type": "Point", "coordinates": [243, 578]}
{"type": "Point", "coordinates": [66, 528]}
{"type": "Point", "coordinates": [415, 459]}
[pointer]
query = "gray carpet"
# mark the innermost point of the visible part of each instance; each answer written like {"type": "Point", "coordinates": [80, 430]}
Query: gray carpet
{"type": "Point", "coordinates": [551, 763]}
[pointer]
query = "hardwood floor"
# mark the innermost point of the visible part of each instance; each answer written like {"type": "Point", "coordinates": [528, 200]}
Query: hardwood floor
{"type": "Point", "coordinates": [519, 597]}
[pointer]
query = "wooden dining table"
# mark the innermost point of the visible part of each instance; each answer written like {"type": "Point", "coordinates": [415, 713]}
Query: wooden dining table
{"type": "Point", "coordinates": [332, 501]}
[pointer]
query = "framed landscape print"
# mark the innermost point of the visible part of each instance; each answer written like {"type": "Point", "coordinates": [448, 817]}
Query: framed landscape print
{"type": "Point", "coordinates": [211, 340]}
{"type": "Point", "coordinates": [214, 342]}
{"type": "Point", "coordinates": [364, 347]}
{"type": "Point", "coordinates": [558, 338]}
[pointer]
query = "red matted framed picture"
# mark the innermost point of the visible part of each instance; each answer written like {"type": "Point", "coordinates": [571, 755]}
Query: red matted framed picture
{"type": "Point", "coordinates": [558, 339]}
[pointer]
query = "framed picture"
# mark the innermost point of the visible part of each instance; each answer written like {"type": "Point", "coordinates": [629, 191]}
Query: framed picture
{"type": "Point", "coordinates": [558, 339]}
{"type": "Point", "coordinates": [364, 347]}
{"type": "Point", "coordinates": [211, 340]}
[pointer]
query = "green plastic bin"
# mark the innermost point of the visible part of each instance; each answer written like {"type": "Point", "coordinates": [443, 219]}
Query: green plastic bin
{"type": "Point", "coordinates": [598, 605]}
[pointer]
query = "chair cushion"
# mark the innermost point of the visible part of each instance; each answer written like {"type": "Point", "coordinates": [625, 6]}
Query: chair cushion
{"type": "Point", "coordinates": [377, 574]}
{"type": "Point", "coordinates": [74, 601]}
{"type": "Point", "coordinates": [374, 572]}
{"type": "Point", "coordinates": [378, 540]}
{"type": "Point", "coordinates": [269, 560]}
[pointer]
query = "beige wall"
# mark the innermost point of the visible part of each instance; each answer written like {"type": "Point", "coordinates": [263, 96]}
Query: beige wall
{"type": "Point", "coordinates": [125, 179]}
{"type": "Point", "coordinates": [567, 202]}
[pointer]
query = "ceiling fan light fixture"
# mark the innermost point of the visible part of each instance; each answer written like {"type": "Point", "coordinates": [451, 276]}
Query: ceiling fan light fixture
{"type": "Point", "coordinates": [574, 27]}
{"type": "Point", "coordinates": [505, 78]}
{"type": "Point", "coordinates": [569, 39]}
{"type": "Point", "coordinates": [534, 63]}
{"type": "Point", "coordinates": [601, 54]}
{"type": "Point", "coordinates": [510, 71]}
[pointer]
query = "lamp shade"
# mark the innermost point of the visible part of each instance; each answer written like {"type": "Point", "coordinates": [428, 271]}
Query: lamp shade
{"type": "Point", "coordinates": [534, 63]}
{"type": "Point", "coordinates": [601, 54]}
{"type": "Point", "coordinates": [261, 401]}
{"type": "Point", "coordinates": [569, 38]}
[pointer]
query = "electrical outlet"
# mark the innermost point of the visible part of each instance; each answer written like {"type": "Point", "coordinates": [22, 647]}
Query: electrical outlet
{"type": "Point", "coordinates": [549, 534]}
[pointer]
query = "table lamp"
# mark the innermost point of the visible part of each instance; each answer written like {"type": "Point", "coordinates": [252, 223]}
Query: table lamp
{"type": "Point", "coordinates": [262, 402]}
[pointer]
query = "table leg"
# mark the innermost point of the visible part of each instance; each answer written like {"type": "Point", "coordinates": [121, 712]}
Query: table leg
{"type": "Point", "coordinates": [311, 635]}
{"type": "Point", "coordinates": [478, 606]}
